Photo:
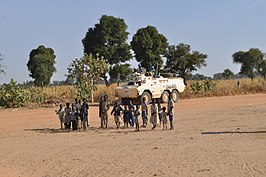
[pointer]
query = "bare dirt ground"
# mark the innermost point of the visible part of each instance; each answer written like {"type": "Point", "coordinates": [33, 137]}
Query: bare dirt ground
{"type": "Point", "coordinates": [223, 136]}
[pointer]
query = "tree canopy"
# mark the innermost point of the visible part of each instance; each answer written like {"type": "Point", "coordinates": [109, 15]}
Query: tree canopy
{"type": "Point", "coordinates": [120, 72]}
{"type": "Point", "coordinates": [182, 60]}
{"type": "Point", "coordinates": [2, 67]}
{"type": "Point", "coordinates": [108, 38]}
{"type": "Point", "coordinates": [262, 68]}
{"type": "Point", "coordinates": [228, 74]}
{"type": "Point", "coordinates": [149, 46]}
{"type": "Point", "coordinates": [84, 71]}
{"type": "Point", "coordinates": [41, 65]}
{"type": "Point", "coordinates": [249, 61]}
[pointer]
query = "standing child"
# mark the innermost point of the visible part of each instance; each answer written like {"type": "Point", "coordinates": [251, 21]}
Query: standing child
{"type": "Point", "coordinates": [136, 115]}
{"type": "Point", "coordinates": [131, 114]}
{"type": "Point", "coordinates": [68, 116]}
{"type": "Point", "coordinates": [154, 114]}
{"type": "Point", "coordinates": [78, 107]}
{"type": "Point", "coordinates": [74, 118]}
{"type": "Point", "coordinates": [144, 112]}
{"type": "Point", "coordinates": [60, 112]}
{"type": "Point", "coordinates": [117, 109]}
{"type": "Point", "coordinates": [84, 112]}
{"type": "Point", "coordinates": [125, 116]}
{"type": "Point", "coordinates": [159, 113]}
{"type": "Point", "coordinates": [164, 118]}
{"type": "Point", "coordinates": [171, 112]}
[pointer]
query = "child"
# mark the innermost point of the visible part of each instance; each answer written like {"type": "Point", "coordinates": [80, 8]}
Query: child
{"type": "Point", "coordinates": [171, 112]}
{"type": "Point", "coordinates": [154, 114]}
{"type": "Point", "coordinates": [68, 116]}
{"type": "Point", "coordinates": [60, 112]}
{"type": "Point", "coordinates": [125, 116]}
{"type": "Point", "coordinates": [73, 118]}
{"type": "Point", "coordinates": [144, 112]}
{"type": "Point", "coordinates": [131, 114]}
{"type": "Point", "coordinates": [164, 118]}
{"type": "Point", "coordinates": [159, 113]}
{"type": "Point", "coordinates": [84, 113]}
{"type": "Point", "coordinates": [117, 109]}
{"type": "Point", "coordinates": [136, 115]}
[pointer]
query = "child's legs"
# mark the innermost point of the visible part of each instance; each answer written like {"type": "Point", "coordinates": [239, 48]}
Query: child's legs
{"type": "Point", "coordinates": [171, 124]}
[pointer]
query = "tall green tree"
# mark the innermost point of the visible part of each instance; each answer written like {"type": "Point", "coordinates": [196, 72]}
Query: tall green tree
{"type": "Point", "coordinates": [249, 61]}
{"type": "Point", "coordinates": [108, 38]}
{"type": "Point", "coordinates": [149, 46]}
{"type": "Point", "coordinates": [262, 68]}
{"type": "Point", "coordinates": [85, 71]}
{"type": "Point", "coordinates": [228, 74]}
{"type": "Point", "coordinates": [2, 67]}
{"type": "Point", "coordinates": [182, 60]}
{"type": "Point", "coordinates": [120, 72]}
{"type": "Point", "coordinates": [42, 65]}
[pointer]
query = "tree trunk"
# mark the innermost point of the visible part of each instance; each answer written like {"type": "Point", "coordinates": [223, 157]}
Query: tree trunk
{"type": "Point", "coordinates": [92, 91]}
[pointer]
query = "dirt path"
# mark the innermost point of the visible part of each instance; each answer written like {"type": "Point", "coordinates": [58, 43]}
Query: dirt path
{"type": "Point", "coordinates": [223, 136]}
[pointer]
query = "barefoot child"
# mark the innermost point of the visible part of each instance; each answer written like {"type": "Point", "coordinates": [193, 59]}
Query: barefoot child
{"type": "Point", "coordinates": [144, 112]}
{"type": "Point", "coordinates": [60, 112]}
{"type": "Point", "coordinates": [125, 116]}
{"type": "Point", "coordinates": [164, 118]}
{"type": "Point", "coordinates": [154, 114]}
{"type": "Point", "coordinates": [117, 109]}
{"type": "Point", "coordinates": [68, 116]}
{"type": "Point", "coordinates": [136, 115]}
{"type": "Point", "coordinates": [74, 118]}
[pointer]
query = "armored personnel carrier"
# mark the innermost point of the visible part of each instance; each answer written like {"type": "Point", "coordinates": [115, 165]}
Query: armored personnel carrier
{"type": "Point", "coordinates": [149, 87]}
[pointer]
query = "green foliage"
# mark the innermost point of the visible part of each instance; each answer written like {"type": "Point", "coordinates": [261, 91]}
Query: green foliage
{"type": "Point", "coordinates": [84, 71]}
{"type": "Point", "coordinates": [228, 74]}
{"type": "Point", "coordinates": [262, 68]}
{"type": "Point", "coordinates": [207, 85]}
{"type": "Point", "coordinates": [149, 46]}
{"type": "Point", "coordinates": [249, 61]}
{"type": "Point", "coordinates": [11, 95]}
{"type": "Point", "coordinates": [182, 60]}
{"type": "Point", "coordinates": [41, 65]}
{"type": "Point", "coordinates": [120, 72]}
{"type": "Point", "coordinates": [37, 96]}
{"type": "Point", "coordinates": [108, 39]}
{"type": "Point", "coordinates": [196, 87]}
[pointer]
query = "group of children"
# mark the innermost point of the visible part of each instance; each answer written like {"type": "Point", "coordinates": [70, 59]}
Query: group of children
{"type": "Point", "coordinates": [74, 117]}
{"type": "Point", "coordinates": [131, 114]}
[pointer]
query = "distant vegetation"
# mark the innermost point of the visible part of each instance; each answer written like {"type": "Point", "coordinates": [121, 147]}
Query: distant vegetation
{"type": "Point", "coordinates": [14, 95]}
{"type": "Point", "coordinates": [107, 53]}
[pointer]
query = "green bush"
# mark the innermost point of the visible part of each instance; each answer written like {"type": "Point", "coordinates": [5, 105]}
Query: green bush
{"type": "Point", "coordinates": [12, 95]}
{"type": "Point", "coordinates": [37, 96]}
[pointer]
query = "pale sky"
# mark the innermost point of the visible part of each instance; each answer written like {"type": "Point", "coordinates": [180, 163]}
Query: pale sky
{"type": "Point", "coordinates": [217, 28]}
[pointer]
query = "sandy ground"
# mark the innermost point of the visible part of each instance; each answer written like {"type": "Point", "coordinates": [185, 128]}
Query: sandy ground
{"type": "Point", "coordinates": [223, 136]}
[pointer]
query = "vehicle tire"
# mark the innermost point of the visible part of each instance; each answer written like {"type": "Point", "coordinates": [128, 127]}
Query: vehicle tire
{"type": "Point", "coordinates": [164, 97]}
{"type": "Point", "coordinates": [175, 95]}
{"type": "Point", "coordinates": [167, 75]}
{"type": "Point", "coordinates": [147, 96]}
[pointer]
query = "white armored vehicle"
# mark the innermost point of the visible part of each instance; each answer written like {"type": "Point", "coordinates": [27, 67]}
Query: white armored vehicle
{"type": "Point", "coordinates": [148, 87]}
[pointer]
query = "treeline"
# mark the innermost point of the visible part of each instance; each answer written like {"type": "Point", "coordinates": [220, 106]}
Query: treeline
{"type": "Point", "coordinates": [107, 54]}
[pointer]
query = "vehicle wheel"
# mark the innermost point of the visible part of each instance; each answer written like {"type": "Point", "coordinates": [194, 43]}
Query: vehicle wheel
{"type": "Point", "coordinates": [147, 96]}
{"type": "Point", "coordinates": [165, 97]}
{"type": "Point", "coordinates": [167, 75]}
{"type": "Point", "coordinates": [175, 95]}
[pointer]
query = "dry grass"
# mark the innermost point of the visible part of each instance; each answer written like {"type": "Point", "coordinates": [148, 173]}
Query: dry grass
{"type": "Point", "coordinates": [223, 88]}
{"type": "Point", "coordinates": [227, 88]}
